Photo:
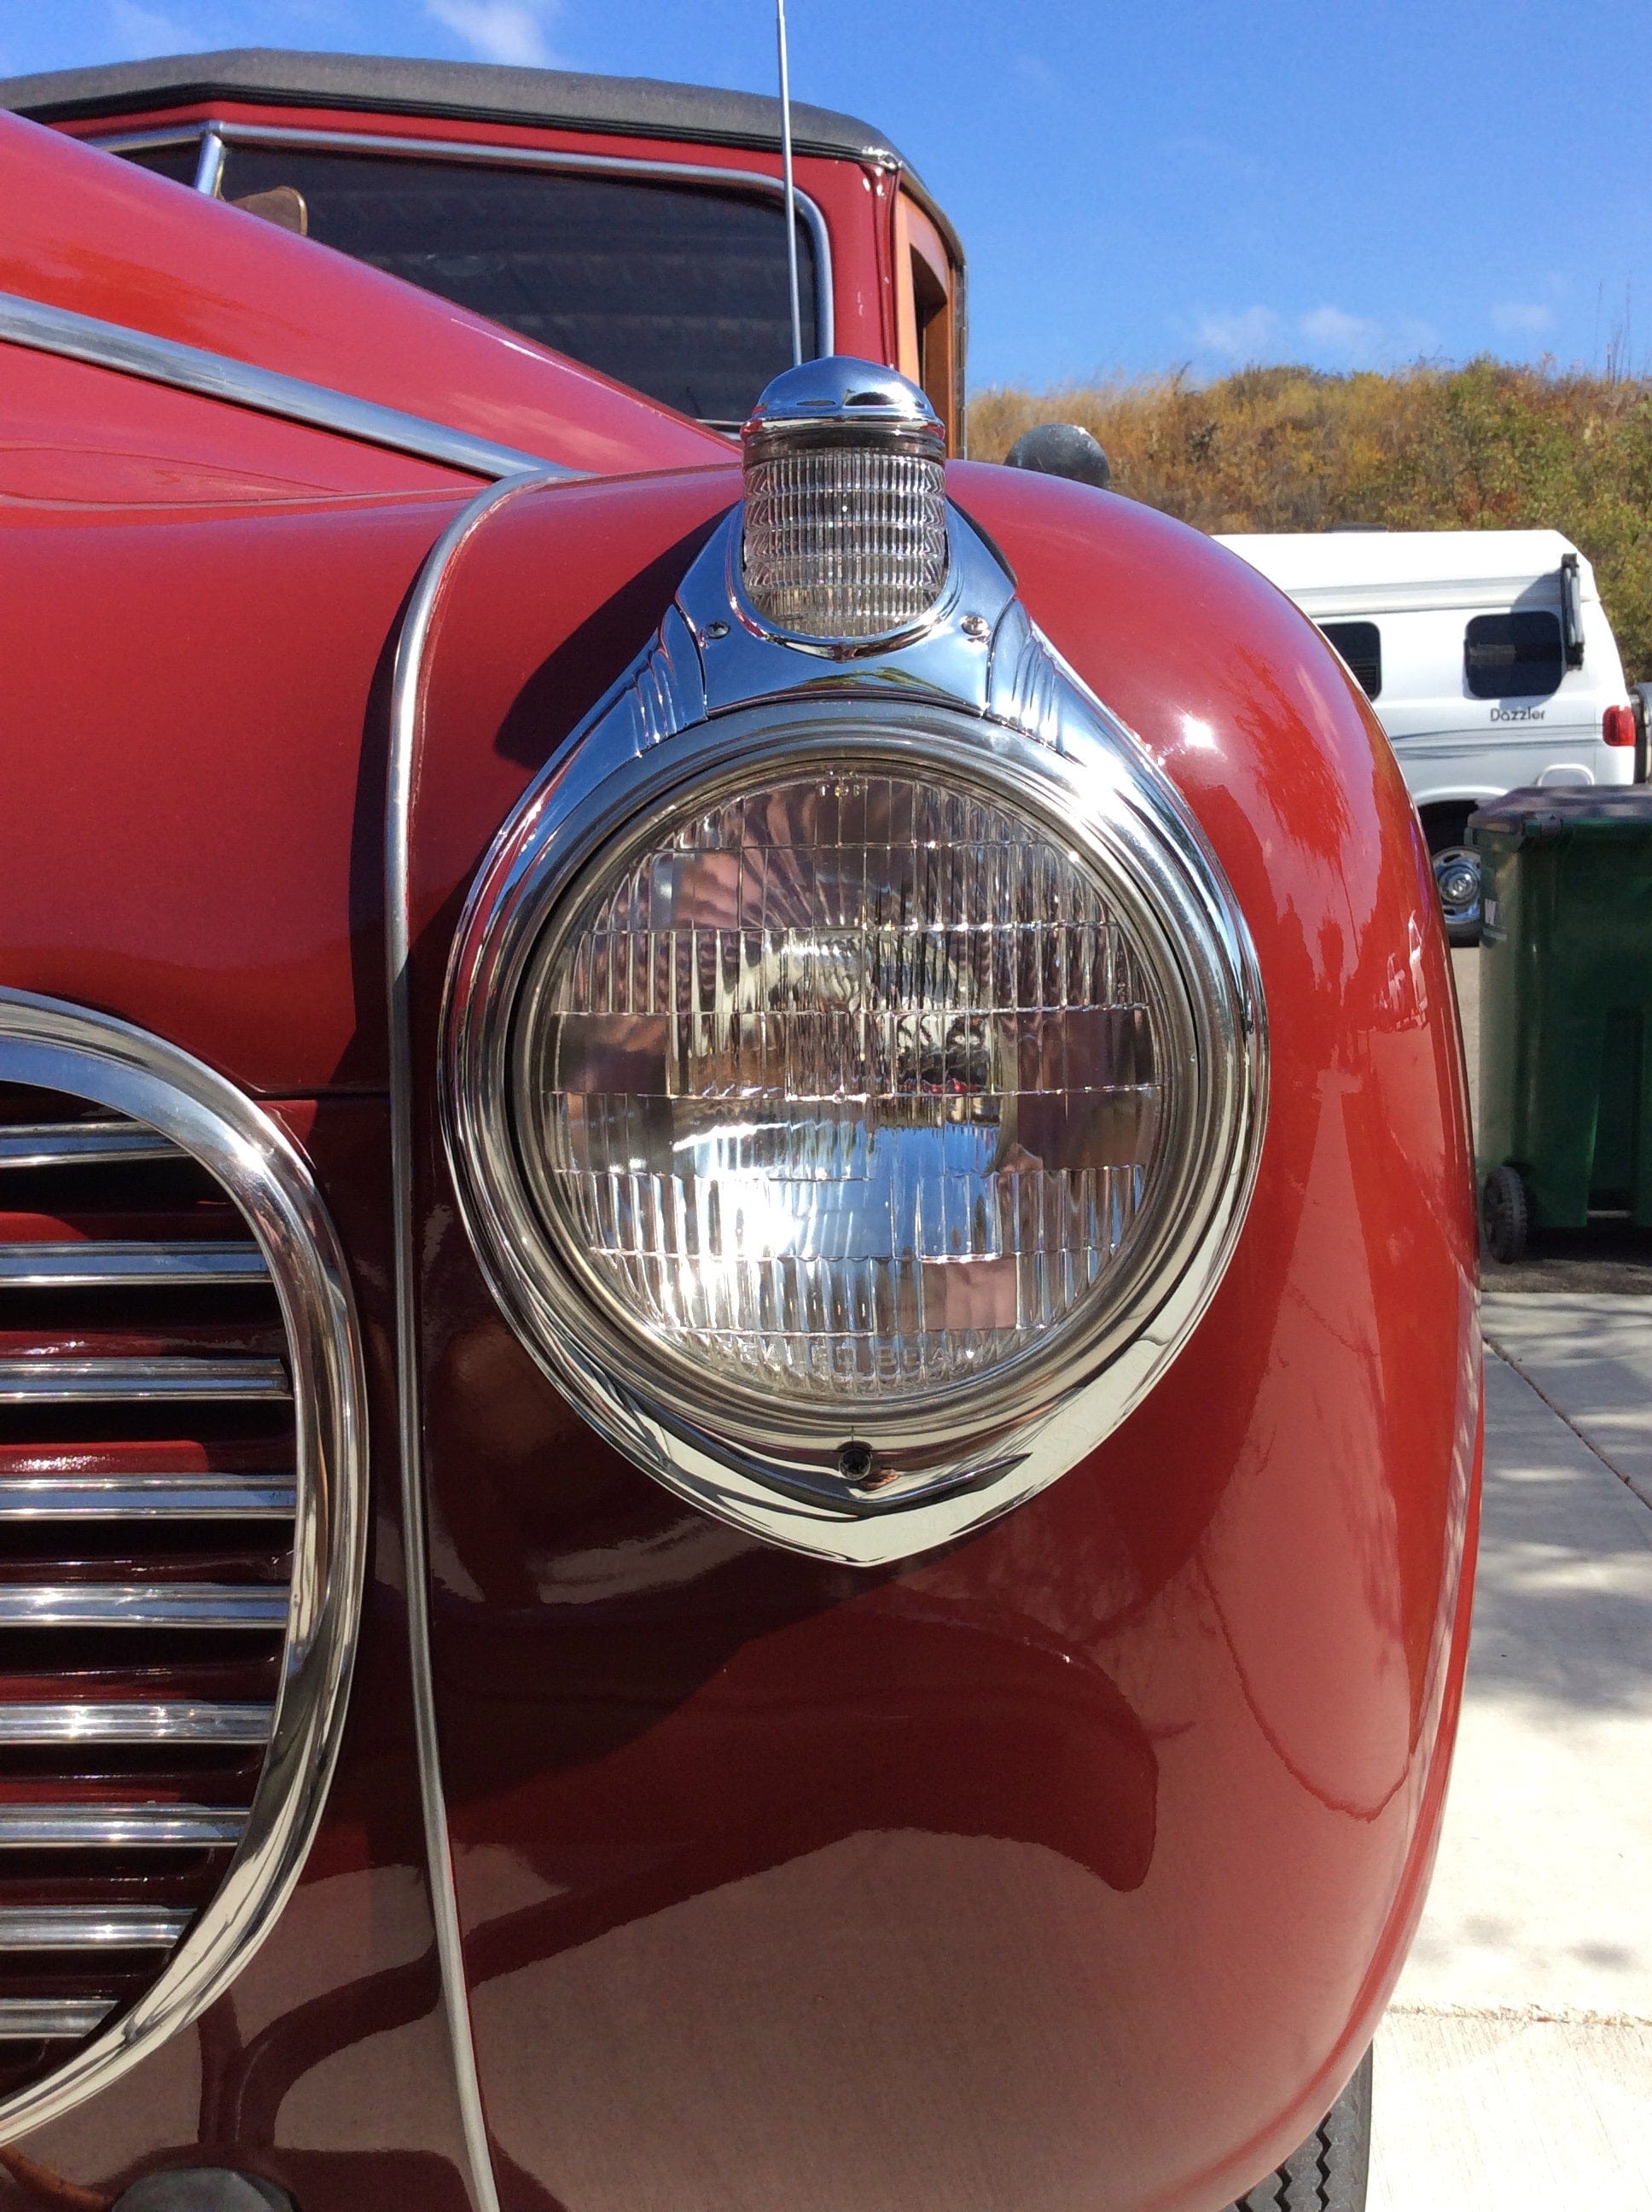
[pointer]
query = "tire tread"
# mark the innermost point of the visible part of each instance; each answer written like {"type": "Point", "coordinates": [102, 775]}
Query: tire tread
{"type": "Point", "coordinates": [1328, 2172]}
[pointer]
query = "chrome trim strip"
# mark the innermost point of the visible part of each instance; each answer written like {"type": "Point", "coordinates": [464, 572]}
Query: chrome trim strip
{"type": "Point", "coordinates": [29, 2019]}
{"type": "Point", "coordinates": [89, 1928]}
{"type": "Point", "coordinates": [66, 1048]}
{"type": "Point", "coordinates": [512, 157]}
{"type": "Point", "coordinates": [209, 169]}
{"type": "Point", "coordinates": [148, 1498]}
{"type": "Point", "coordinates": [78, 1144]}
{"type": "Point", "coordinates": [131, 1723]}
{"type": "Point", "coordinates": [406, 699]}
{"type": "Point", "coordinates": [217, 376]}
{"type": "Point", "coordinates": [89, 1266]}
{"type": "Point", "coordinates": [45, 1381]}
{"type": "Point", "coordinates": [135, 142]}
{"type": "Point", "coordinates": [143, 1605]}
{"type": "Point", "coordinates": [114, 1828]}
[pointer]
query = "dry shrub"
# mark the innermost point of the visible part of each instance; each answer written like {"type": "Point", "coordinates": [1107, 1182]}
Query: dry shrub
{"type": "Point", "coordinates": [1484, 447]}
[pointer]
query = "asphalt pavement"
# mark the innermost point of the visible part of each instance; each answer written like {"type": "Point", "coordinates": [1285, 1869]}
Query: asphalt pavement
{"type": "Point", "coordinates": [1515, 2067]}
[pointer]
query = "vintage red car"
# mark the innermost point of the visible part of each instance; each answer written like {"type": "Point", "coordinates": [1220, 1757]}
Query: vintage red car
{"type": "Point", "coordinates": [739, 1398]}
{"type": "Point", "coordinates": [635, 226]}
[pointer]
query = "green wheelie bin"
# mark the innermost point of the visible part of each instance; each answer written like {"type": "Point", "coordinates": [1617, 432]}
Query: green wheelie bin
{"type": "Point", "coordinates": [1565, 1098]}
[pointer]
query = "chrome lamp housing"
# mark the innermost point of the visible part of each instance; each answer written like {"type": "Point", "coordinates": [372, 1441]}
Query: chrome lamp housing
{"type": "Point", "coordinates": [854, 1058]}
{"type": "Point", "coordinates": [844, 547]}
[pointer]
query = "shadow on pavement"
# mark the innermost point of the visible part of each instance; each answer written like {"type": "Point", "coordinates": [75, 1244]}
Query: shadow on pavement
{"type": "Point", "coordinates": [1608, 1255]}
{"type": "Point", "coordinates": [1563, 1604]}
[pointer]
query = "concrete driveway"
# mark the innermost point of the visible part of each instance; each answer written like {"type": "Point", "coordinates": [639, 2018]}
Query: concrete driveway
{"type": "Point", "coordinates": [1515, 2067]}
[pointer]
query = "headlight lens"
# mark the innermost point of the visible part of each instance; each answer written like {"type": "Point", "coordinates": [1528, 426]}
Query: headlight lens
{"type": "Point", "coordinates": [852, 1107]}
{"type": "Point", "coordinates": [849, 1088]}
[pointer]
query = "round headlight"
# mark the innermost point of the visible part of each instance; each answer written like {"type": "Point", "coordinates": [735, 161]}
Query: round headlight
{"type": "Point", "coordinates": [833, 1095]}
{"type": "Point", "coordinates": [847, 1088]}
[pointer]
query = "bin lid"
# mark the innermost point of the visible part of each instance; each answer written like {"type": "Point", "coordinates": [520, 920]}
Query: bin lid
{"type": "Point", "coordinates": [1595, 810]}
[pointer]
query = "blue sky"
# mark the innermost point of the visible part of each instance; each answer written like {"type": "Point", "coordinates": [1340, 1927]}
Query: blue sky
{"type": "Point", "coordinates": [1204, 184]}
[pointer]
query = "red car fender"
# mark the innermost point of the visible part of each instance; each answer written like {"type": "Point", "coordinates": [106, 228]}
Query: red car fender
{"type": "Point", "coordinates": [1130, 1797]}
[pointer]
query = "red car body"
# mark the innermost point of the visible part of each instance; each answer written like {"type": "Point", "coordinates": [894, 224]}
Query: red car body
{"type": "Point", "coordinates": [1069, 1865]}
{"type": "Point", "coordinates": [889, 266]}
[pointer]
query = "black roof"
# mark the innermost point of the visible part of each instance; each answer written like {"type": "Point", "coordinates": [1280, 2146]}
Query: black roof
{"type": "Point", "coordinates": [639, 106]}
{"type": "Point", "coordinates": [470, 91]}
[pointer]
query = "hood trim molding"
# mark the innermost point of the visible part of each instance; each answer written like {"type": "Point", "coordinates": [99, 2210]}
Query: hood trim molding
{"type": "Point", "coordinates": [75, 336]}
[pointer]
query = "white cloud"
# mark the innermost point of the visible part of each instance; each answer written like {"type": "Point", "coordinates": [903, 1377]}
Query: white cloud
{"type": "Point", "coordinates": [1339, 331]}
{"type": "Point", "coordinates": [1365, 341]}
{"type": "Point", "coordinates": [1327, 333]}
{"type": "Point", "coordinates": [1033, 70]}
{"type": "Point", "coordinates": [1246, 335]}
{"type": "Point", "coordinates": [137, 33]}
{"type": "Point", "coordinates": [1216, 155]}
{"type": "Point", "coordinates": [1528, 316]}
{"type": "Point", "coordinates": [511, 31]}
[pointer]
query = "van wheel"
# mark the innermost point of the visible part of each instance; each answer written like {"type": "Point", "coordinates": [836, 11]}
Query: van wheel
{"type": "Point", "coordinates": [1505, 1215]}
{"type": "Point", "coordinates": [1457, 879]}
{"type": "Point", "coordinates": [1456, 868]}
{"type": "Point", "coordinates": [1329, 2173]}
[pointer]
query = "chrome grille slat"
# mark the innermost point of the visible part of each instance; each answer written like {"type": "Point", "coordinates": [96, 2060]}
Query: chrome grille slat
{"type": "Point", "coordinates": [182, 1400]}
{"type": "Point", "coordinates": [47, 1381]}
{"type": "Point", "coordinates": [56, 2019]}
{"type": "Point", "coordinates": [71, 1372]}
{"type": "Point", "coordinates": [143, 1605]}
{"type": "Point", "coordinates": [134, 1722]}
{"type": "Point", "coordinates": [77, 1497]}
{"type": "Point", "coordinates": [81, 1144]}
{"type": "Point", "coordinates": [89, 1928]}
{"type": "Point", "coordinates": [79, 1827]}
{"type": "Point", "coordinates": [128, 1264]}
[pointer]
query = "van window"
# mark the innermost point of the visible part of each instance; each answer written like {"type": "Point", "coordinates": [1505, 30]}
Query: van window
{"type": "Point", "coordinates": [678, 290]}
{"type": "Point", "coordinates": [1360, 644]}
{"type": "Point", "coordinates": [1514, 656]}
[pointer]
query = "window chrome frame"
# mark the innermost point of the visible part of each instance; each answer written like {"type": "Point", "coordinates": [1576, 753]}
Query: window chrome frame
{"type": "Point", "coordinates": [208, 173]}
{"type": "Point", "coordinates": [68, 1049]}
{"type": "Point", "coordinates": [985, 696]}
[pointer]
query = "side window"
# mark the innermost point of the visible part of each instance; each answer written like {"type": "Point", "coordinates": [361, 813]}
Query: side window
{"type": "Point", "coordinates": [678, 290]}
{"type": "Point", "coordinates": [179, 161]}
{"type": "Point", "coordinates": [1514, 656]}
{"type": "Point", "coordinates": [1360, 644]}
{"type": "Point", "coordinates": [925, 312]}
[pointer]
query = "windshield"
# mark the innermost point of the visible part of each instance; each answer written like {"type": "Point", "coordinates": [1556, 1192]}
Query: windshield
{"type": "Point", "coordinates": [677, 290]}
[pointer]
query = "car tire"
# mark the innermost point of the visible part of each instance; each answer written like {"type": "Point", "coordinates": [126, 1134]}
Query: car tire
{"type": "Point", "coordinates": [1505, 1215]}
{"type": "Point", "coordinates": [1329, 2173]}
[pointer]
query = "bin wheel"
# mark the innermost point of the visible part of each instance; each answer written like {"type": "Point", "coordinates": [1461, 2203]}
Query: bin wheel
{"type": "Point", "coordinates": [1505, 1215]}
{"type": "Point", "coordinates": [1329, 2173]}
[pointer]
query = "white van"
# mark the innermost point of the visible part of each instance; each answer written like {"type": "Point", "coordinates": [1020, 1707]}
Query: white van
{"type": "Point", "coordinates": [1488, 657]}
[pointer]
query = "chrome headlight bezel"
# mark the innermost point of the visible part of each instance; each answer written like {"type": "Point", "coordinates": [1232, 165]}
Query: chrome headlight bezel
{"type": "Point", "coordinates": [769, 1466]}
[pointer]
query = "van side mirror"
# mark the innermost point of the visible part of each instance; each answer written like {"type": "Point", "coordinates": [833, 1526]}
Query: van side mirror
{"type": "Point", "coordinates": [1571, 609]}
{"type": "Point", "coordinates": [1062, 449]}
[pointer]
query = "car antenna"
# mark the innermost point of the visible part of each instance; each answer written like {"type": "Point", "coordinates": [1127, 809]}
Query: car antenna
{"type": "Point", "coordinates": [791, 186]}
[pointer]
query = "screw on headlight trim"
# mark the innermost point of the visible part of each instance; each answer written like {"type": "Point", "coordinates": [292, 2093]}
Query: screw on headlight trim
{"type": "Point", "coordinates": [856, 1462]}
